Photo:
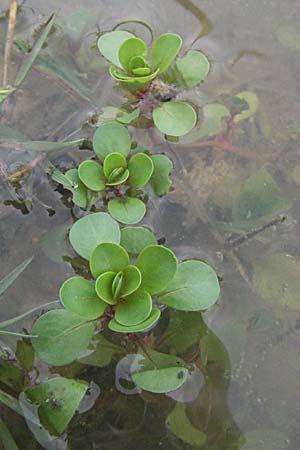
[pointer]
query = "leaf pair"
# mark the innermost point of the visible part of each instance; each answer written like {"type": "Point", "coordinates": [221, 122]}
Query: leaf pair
{"type": "Point", "coordinates": [128, 54]}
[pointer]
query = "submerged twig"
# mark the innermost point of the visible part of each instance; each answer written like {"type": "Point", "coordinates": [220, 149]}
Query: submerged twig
{"type": "Point", "coordinates": [9, 39]}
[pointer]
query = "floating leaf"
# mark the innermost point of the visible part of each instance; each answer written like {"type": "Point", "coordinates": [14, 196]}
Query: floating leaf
{"type": "Point", "coordinates": [193, 67]}
{"type": "Point", "coordinates": [158, 266]}
{"type": "Point", "coordinates": [159, 372]}
{"type": "Point", "coordinates": [130, 49]}
{"type": "Point", "coordinates": [154, 316]}
{"type": "Point", "coordinates": [252, 100]}
{"type": "Point", "coordinates": [164, 51]}
{"type": "Point", "coordinates": [92, 176]}
{"type": "Point", "coordinates": [195, 287]}
{"type": "Point", "coordinates": [58, 400]}
{"type": "Point", "coordinates": [178, 423]}
{"type": "Point", "coordinates": [140, 168]}
{"type": "Point", "coordinates": [134, 309]}
{"type": "Point", "coordinates": [109, 44]}
{"type": "Point", "coordinates": [110, 137]}
{"type": "Point", "coordinates": [160, 181]}
{"type": "Point", "coordinates": [96, 229]}
{"type": "Point", "coordinates": [79, 296]}
{"type": "Point", "coordinates": [127, 210]}
{"type": "Point", "coordinates": [62, 337]}
{"type": "Point", "coordinates": [135, 239]}
{"type": "Point", "coordinates": [108, 257]}
{"type": "Point", "coordinates": [174, 118]}
{"type": "Point", "coordinates": [77, 188]}
{"type": "Point", "coordinates": [13, 275]}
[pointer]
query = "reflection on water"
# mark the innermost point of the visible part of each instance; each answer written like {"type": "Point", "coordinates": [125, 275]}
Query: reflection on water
{"type": "Point", "coordinates": [248, 357]}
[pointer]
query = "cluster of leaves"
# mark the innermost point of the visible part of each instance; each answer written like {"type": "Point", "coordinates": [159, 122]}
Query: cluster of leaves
{"type": "Point", "coordinates": [123, 293]}
{"type": "Point", "coordinates": [131, 68]}
{"type": "Point", "coordinates": [121, 172]}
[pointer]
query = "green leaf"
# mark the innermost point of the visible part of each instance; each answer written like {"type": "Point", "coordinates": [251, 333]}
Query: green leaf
{"type": "Point", "coordinates": [102, 354]}
{"type": "Point", "coordinates": [108, 257]}
{"type": "Point", "coordinates": [113, 161]}
{"type": "Point", "coordinates": [58, 400]}
{"type": "Point", "coordinates": [92, 230]}
{"type": "Point", "coordinates": [62, 337]}
{"type": "Point", "coordinates": [140, 169]}
{"type": "Point", "coordinates": [104, 287]}
{"type": "Point", "coordinates": [194, 67]}
{"type": "Point", "coordinates": [252, 100]}
{"type": "Point", "coordinates": [111, 137]}
{"type": "Point", "coordinates": [159, 372]}
{"type": "Point", "coordinates": [77, 188]}
{"type": "Point", "coordinates": [38, 146]}
{"type": "Point", "coordinates": [131, 281]}
{"type": "Point", "coordinates": [260, 198]}
{"type": "Point", "coordinates": [79, 296]}
{"type": "Point", "coordinates": [178, 423]}
{"type": "Point", "coordinates": [28, 62]}
{"type": "Point", "coordinates": [13, 275]}
{"type": "Point", "coordinates": [138, 81]}
{"type": "Point", "coordinates": [127, 210]}
{"type": "Point", "coordinates": [135, 239]}
{"type": "Point", "coordinates": [138, 62]}
{"type": "Point", "coordinates": [109, 44]}
{"type": "Point", "coordinates": [158, 266]}
{"type": "Point", "coordinates": [154, 316]}
{"type": "Point", "coordinates": [25, 354]}
{"type": "Point", "coordinates": [6, 437]}
{"type": "Point", "coordinates": [92, 176]}
{"type": "Point", "coordinates": [191, 325]}
{"type": "Point", "coordinates": [160, 181]}
{"type": "Point", "coordinates": [131, 48]}
{"type": "Point", "coordinates": [135, 309]}
{"type": "Point", "coordinates": [195, 287]}
{"type": "Point", "coordinates": [174, 118]}
{"type": "Point", "coordinates": [164, 51]}
{"type": "Point", "coordinates": [126, 117]}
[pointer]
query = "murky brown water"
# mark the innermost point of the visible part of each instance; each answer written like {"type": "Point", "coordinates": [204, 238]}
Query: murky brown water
{"type": "Point", "coordinates": [250, 400]}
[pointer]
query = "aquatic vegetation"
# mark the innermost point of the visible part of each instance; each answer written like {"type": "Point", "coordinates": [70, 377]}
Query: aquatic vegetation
{"type": "Point", "coordinates": [138, 72]}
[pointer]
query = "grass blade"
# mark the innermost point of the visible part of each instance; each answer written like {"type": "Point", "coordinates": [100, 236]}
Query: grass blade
{"type": "Point", "coordinates": [13, 333]}
{"type": "Point", "coordinates": [10, 402]}
{"type": "Point", "coordinates": [11, 277]}
{"type": "Point", "coordinates": [34, 53]}
{"type": "Point", "coordinates": [38, 146]}
{"type": "Point", "coordinates": [16, 319]}
{"type": "Point", "coordinates": [6, 437]}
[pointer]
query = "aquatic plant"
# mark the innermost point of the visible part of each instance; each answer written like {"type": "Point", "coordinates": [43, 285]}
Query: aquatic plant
{"type": "Point", "coordinates": [137, 73]}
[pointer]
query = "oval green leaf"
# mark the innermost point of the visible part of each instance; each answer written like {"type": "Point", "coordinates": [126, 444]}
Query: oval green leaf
{"type": "Point", "coordinates": [79, 190]}
{"type": "Point", "coordinates": [113, 161]}
{"type": "Point", "coordinates": [104, 287]}
{"type": "Point", "coordinates": [131, 48]}
{"type": "Point", "coordinates": [92, 230]}
{"type": "Point", "coordinates": [140, 170]}
{"type": "Point", "coordinates": [134, 309]}
{"type": "Point", "coordinates": [158, 266]}
{"type": "Point", "coordinates": [131, 281]}
{"type": "Point", "coordinates": [108, 257]}
{"type": "Point", "coordinates": [165, 50]}
{"type": "Point", "coordinates": [160, 381]}
{"type": "Point", "coordinates": [154, 316]}
{"type": "Point", "coordinates": [135, 239]}
{"type": "Point", "coordinates": [111, 137]}
{"type": "Point", "coordinates": [174, 118]}
{"type": "Point", "coordinates": [92, 176]}
{"type": "Point", "coordinates": [127, 210]}
{"type": "Point", "coordinates": [62, 337]}
{"type": "Point", "coordinates": [109, 44]}
{"type": "Point", "coordinates": [195, 287]}
{"type": "Point", "coordinates": [194, 67]}
{"type": "Point", "coordinates": [79, 296]}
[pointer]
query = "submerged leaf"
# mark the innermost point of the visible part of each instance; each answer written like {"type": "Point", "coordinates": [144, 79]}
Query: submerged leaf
{"type": "Point", "coordinates": [178, 423]}
{"type": "Point", "coordinates": [252, 100]}
{"type": "Point", "coordinates": [13, 275]}
{"type": "Point", "coordinates": [160, 181]}
{"type": "Point", "coordinates": [193, 67]}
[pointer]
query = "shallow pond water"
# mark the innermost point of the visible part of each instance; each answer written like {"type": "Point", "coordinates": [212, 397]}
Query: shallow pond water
{"type": "Point", "coordinates": [248, 396]}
